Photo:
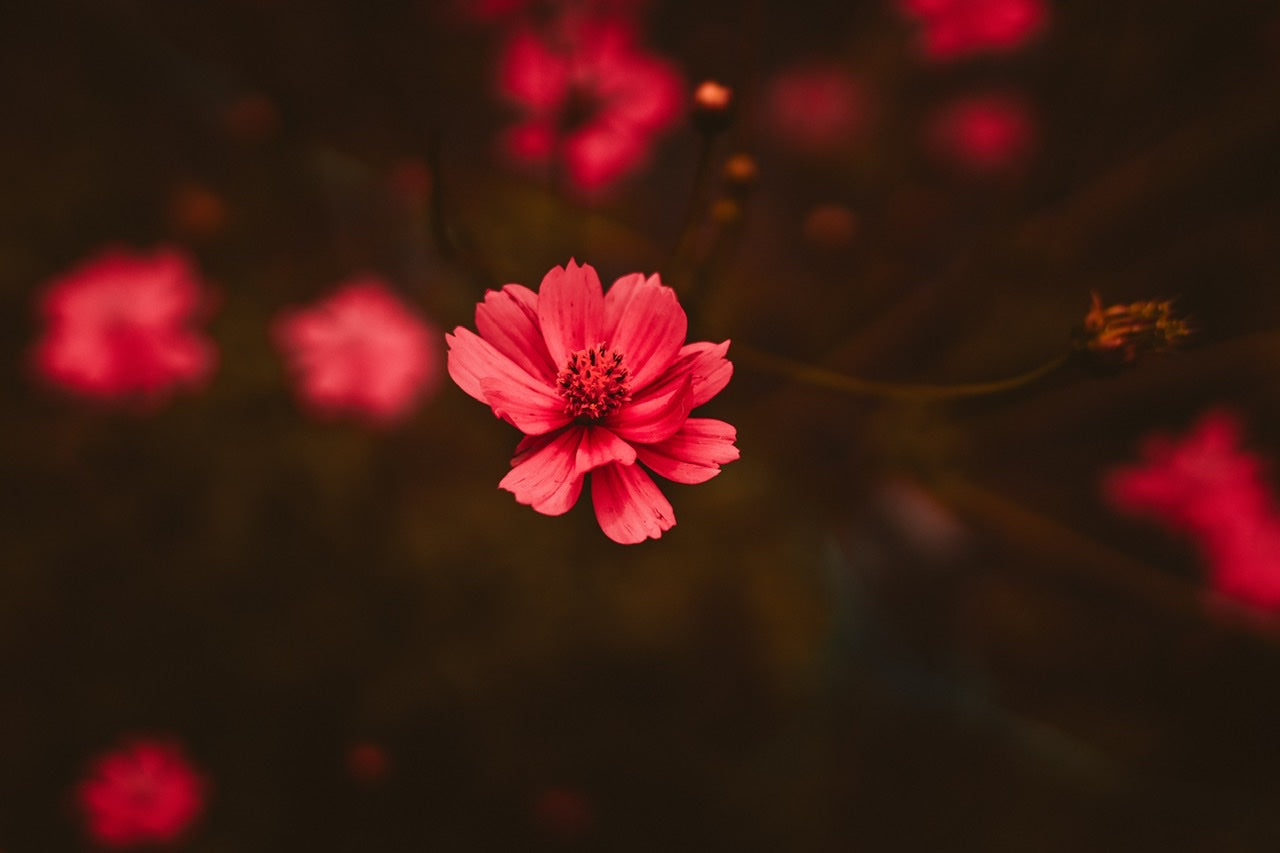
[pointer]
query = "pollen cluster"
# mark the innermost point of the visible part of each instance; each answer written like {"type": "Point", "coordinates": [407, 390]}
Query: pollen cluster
{"type": "Point", "coordinates": [593, 383]}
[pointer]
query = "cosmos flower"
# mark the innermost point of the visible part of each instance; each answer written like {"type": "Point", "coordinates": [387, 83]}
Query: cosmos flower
{"type": "Point", "coordinates": [360, 351]}
{"type": "Point", "coordinates": [983, 133]}
{"type": "Point", "coordinates": [1205, 485]}
{"type": "Point", "coordinates": [592, 100]}
{"type": "Point", "coordinates": [954, 28]}
{"type": "Point", "coordinates": [597, 383]}
{"type": "Point", "coordinates": [121, 325]}
{"type": "Point", "coordinates": [145, 792]}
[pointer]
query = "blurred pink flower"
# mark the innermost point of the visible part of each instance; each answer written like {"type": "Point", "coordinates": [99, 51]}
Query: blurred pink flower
{"type": "Point", "coordinates": [955, 28]}
{"type": "Point", "coordinates": [591, 99]}
{"type": "Point", "coordinates": [145, 792]}
{"type": "Point", "coordinates": [597, 382]}
{"type": "Point", "coordinates": [1206, 486]}
{"type": "Point", "coordinates": [816, 108]}
{"type": "Point", "coordinates": [983, 133]}
{"type": "Point", "coordinates": [360, 351]}
{"type": "Point", "coordinates": [122, 325]}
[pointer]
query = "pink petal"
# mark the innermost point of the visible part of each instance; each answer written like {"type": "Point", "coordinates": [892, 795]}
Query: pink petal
{"type": "Point", "coordinates": [532, 74]}
{"type": "Point", "coordinates": [628, 504]}
{"type": "Point", "coordinates": [694, 454]}
{"type": "Point", "coordinates": [531, 142]}
{"type": "Point", "coordinates": [543, 473]}
{"type": "Point", "coordinates": [508, 319]}
{"type": "Point", "coordinates": [570, 310]}
{"type": "Point", "coordinates": [644, 322]}
{"type": "Point", "coordinates": [655, 416]}
{"type": "Point", "coordinates": [601, 446]}
{"type": "Point", "coordinates": [708, 369]}
{"type": "Point", "coordinates": [601, 153]}
{"type": "Point", "coordinates": [533, 409]}
{"type": "Point", "coordinates": [483, 372]}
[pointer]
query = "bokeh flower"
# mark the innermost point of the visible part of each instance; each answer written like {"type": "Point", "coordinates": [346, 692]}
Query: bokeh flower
{"type": "Point", "coordinates": [145, 792]}
{"type": "Point", "coordinates": [954, 28]}
{"type": "Point", "coordinates": [816, 108]}
{"type": "Point", "coordinates": [597, 383]}
{"type": "Point", "coordinates": [122, 325]}
{"type": "Point", "coordinates": [360, 352]}
{"type": "Point", "coordinates": [592, 100]}
{"type": "Point", "coordinates": [1206, 486]}
{"type": "Point", "coordinates": [983, 133]}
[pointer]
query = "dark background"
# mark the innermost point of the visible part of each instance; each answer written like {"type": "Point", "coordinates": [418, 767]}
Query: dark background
{"type": "Point", "coordinates": [796, 665]}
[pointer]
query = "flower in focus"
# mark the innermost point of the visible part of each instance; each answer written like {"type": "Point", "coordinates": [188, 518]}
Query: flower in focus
{"type": "Point", "coordinates": [983, 133]}
{"type": "Point", "coordinates": [816, 108]}
{"type": "Point", "coordinates": [1205, 485]}
{"type": "Point", "coordinates": [360, 351]}
{"type": "Point", "coordinates": [592, 100]}
{"type": "Point", "coordinates": [953, 28]}
{"type": "Point", "coordinates": [145, 792]}
{"type": "Point", "coordinates": [122, 325]}
{"type": "Point", "coordinates": [597, 383]}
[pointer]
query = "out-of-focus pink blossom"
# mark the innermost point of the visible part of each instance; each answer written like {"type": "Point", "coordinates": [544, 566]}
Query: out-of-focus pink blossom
{"type": "Point", "coordinates": [359, 352]}
{"type": "Point", "coordinates": [953, 28]}
{"type": "Point", "coordinates": [1205, 485]}
{"type": "Point", "coordinates": [816, 108]}
{"type": "Point", "coordinates": [145, 792]}
{"type": "Point", "coordinates": [983, 133]}
{"type": "Point", "coordinates": [597, 383]}
{"type": "Point", "coordinates": [122, 325]}
{"type": "Point", "coordinates": [592, 99]}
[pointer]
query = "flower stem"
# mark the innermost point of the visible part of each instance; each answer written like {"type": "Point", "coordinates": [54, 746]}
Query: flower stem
{"type": "Point", "coordinates": [695, 202]}
{"type": "Point", "coordinates": [823, 378]}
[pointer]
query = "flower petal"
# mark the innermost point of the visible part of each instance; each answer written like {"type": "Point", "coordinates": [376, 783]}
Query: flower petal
{"type": "Point", "coordinates": [525, 401]}
{"type": "Point", "coordinates": [570, 310]}
{"type": "Point", "coordinates": [508, 319]}
{"type": "Point", "coordinates": [629, 505]}
{"type": "Point", "coordinates": [601, 446]}
{"type": "Point", "coordinates": [694, 454]}
{"type": "Point", "coordinates": [543, 473]}
{"type": "Point", "coordinates": [707, 367]}
{"type": "Point", "coordinates": [644, 322]}
{"type": "Point", "coordinates": [657, 415]}
{"type": "Point", "coordinates": [531, 408]}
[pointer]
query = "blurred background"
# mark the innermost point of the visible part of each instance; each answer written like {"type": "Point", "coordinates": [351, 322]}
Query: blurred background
{"type": "Point", "coordinates": [889, 625]}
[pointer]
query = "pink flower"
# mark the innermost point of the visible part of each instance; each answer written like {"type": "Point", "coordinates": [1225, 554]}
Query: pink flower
{"type": "Point", "coordinates": [591, 99]}
{"type": "Point", "coordinates": [360, 351]}
{"type": "Point", "coordinates": [122, 325]}
{"type": "Point", "coordinates": [955, 28]}
{"type": "Point", "coordinates": [984, 133]}
{"type": "Point", "coordinates": [145, 792]}
{"type": "Point", "coordinates": [816, 108]}
{"type": "Point", "coordinates": [597, 383]}
{"type": "Point", "coordinates": [1203, 484]}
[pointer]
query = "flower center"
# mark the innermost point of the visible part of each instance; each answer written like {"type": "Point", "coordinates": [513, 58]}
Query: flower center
{"type": "Point", "coordinates": [593, 383]}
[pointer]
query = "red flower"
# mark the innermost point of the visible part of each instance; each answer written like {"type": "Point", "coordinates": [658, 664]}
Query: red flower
{"type": "Point", "coordinates": [591, 99]}
{"type": "Point", "coordinates": [954, 28]}
{"type": "Point", "coordinates": [984, 133]}
{"type": "Point", "coordinates": [359, 351]}
{"type": "Point", "coordinates": [121, 325]}
{"type": "Point", "coordinates": [145, 792]}
{"type": "Point", "coordinates": [597, 382]}
{"type": "Point", "coordinates": [1205, 485]}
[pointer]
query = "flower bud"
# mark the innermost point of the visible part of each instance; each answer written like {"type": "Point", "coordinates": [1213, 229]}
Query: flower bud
{"type": "Point", "coordinates": [713, 107]}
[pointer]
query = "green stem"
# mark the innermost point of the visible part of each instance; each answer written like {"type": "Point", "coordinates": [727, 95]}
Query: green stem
{"type": "Point", "coordinates": [823, 378]}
